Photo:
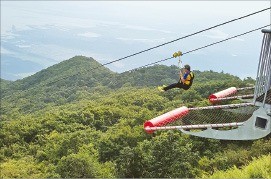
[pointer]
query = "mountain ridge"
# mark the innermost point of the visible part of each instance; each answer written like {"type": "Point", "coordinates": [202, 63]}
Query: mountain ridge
{"type": "Point", "coordinates": [73, 66]}
{"type": "Point", "coordinates": [76, 69]}
{"type": "Point", "coordinates": [72, 80]}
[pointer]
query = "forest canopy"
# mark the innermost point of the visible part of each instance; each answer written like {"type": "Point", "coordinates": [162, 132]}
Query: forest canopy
{"type": "Point", "coordinates": [67, 121]}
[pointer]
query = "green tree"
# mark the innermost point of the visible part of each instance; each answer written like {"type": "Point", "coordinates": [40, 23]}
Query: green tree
{"type": "Point", "coordinates": [258, 168]}
{"type": "Point", "coordinates": [84, 164]}
{"type": "Point", "coordinates": [169, 155]}
{"type": "Point", "coordinates": [25, 167]}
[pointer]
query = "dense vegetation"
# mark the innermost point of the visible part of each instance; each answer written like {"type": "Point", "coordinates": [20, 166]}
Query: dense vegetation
{"type": "Point", "coordinates": [258, 168]}
{"type": "Point", "coordinates": [69, 121]}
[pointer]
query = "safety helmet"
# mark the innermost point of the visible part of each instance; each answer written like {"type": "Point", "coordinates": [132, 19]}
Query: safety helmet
{"type": "Point", "coordinates": [187, 67]}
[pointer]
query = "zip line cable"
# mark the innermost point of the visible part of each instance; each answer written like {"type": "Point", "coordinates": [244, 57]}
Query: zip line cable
{"type": "Point", "coordinates": [182, 54]}
{"type": "Point", "coordinates": [181, 38]}
{"type": "Point", "coordinates": [202, 47]}
{"type": "Point", "coordinates": [99, 66]}
{"type": "Point", "coordinates": [175, 41]}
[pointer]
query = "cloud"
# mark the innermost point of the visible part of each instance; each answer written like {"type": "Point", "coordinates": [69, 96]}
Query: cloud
{"type": "Point", "coordinates": [238, 39]}
{"type": "Point", "coordinates": [132, 39]}
{"type": "Point", "coordinates": [118, 65]}
{"type": "Point", "coordinates": [89, 34]}
{"type": "Point", "coordinates": [23, 46]}
{"type": "Point", "coordinates": [5, 51]}
{"type": "Point", "coordinates": [142, 28]}
{"type": "Point", "coordinates": [62, 28]}
{"type": "Point", "coordinates": [23, 75]}
{"type": "Point", "coordinates": [5, 36]}
{"type": "Point", "coordinates": [220, 35]}
{"type": "Point", "coordinates": [217, 34]}
{"type": "Point", "coordinates": [142, 40]}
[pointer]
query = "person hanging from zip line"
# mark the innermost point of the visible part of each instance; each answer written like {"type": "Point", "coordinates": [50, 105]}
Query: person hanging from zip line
{"type": "Point", "coordinates": [185, 81]}
{"type": "Point", "coordinates": [186, 78]}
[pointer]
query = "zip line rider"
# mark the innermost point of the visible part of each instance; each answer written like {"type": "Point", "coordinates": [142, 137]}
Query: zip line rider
{"type": "Point", "coordinates": [185, 81]}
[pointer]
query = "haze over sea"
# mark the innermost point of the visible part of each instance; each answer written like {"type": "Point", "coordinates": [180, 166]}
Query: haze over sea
{"type": "Point", "coordinates": [36, 35]}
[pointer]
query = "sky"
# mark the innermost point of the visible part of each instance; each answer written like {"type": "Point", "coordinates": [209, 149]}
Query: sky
{"type": "Point", "coordinates": [38, 34]}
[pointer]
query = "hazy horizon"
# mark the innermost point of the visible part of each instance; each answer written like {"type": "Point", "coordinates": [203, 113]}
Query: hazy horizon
{"type": "Point", "coordinates": [36, 35]}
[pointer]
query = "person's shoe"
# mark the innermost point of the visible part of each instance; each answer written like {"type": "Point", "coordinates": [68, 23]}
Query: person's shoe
{"type": "Point", "coordinates": [161, 88]}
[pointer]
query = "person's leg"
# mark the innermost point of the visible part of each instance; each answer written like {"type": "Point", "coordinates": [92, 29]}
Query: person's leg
{"type": "Point", "coordinates": [183, 86]}
{"type": "Point", "coordinates": [176, 85]}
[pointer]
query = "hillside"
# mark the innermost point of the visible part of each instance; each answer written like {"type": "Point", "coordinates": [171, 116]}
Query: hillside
{"type": "Point", "coordinates": [160, 74]}
{"type": "Point", "coordinates": [104, 138]}
{"type": "Point", "coordinates": [66, 73]}
{"type": "Point", "coordinates": [258, 168]}
{"type": "Point", "coordinates": [69, 122]}
{"type": "Point", "coordinates": [4, 83]}
{"type": "Point", "coordinates": [72, 80]}
{"type": "Point", "coordinates": [55, 85]}
{"type": "Point", "coordinates": [77, 72]}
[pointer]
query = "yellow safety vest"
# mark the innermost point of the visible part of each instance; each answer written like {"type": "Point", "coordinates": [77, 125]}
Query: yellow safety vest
{"type": "Point", "coordinates": [189, 79]}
